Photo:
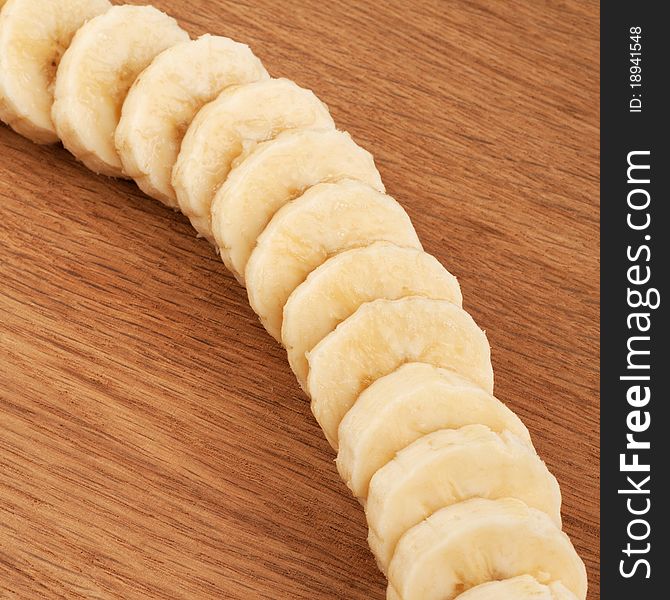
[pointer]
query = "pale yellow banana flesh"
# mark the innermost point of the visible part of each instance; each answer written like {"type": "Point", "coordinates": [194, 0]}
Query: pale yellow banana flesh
{"type": "Point", "coordinates": [274, 173]}
{"type": "Point", "coordinates": [408, 439]}
{"type": "Point", "coordinates": [449, 466]}
{"type": "Point", "coordinates": [334, 291]}
{"type": "Point", "coordinates": [378, 338]}
{"type": "Point", "coordinates": [326, 219]}
{"type": "Point", "coordinates": [476, 541]}
{"type": "Point", "coordinates": [240, 117]}
{"type": "Point", "coordinates": [33, 38]}
{"type": "Point", "coordinates": [96, 72]}
{"type": "Point", "coordinates": [412, 401]}
{"type": "Point", "coordinates": [164, 99]}
{"type": "Point", "coordinates": [523, 587]}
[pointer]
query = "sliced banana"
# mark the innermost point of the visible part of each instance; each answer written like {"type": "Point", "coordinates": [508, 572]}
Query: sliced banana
{"type": "Point", "coordinates": [274, 173]}
{"type": "Point", "coordinates": [326, 219]}
{"type": "Point", "coordinates": [523, 587]}
{"type": "Point", "coordinates": [240, 117]}
{"type": "Point", "coordinates": [378, 338]}
{"type": "Point", "coordinates": [480, 540]}
{"type": "Point", "coordinates": [333, 291]}
{"type": "Point", "coordinates": [449, 466]}
{"type": "Point", "coordinates": [96, 72]}
{"type": "Point", "coordinates": [412, 401]}
{"type": "Point", "coordinates": [33, 36]}
{"type": "Point", "coordinates": [164, 99]}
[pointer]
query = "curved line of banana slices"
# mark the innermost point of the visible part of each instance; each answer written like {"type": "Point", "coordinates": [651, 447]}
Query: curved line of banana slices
{"type": "Point", "coordinates": [399, 375]}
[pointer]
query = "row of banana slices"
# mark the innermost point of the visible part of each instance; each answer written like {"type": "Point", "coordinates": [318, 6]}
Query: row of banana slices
{"type": "Point", "coordinates": [399, 375]}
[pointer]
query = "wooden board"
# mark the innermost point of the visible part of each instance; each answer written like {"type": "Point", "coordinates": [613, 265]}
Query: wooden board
{"type": "Point", "coordinates": [153, 442]}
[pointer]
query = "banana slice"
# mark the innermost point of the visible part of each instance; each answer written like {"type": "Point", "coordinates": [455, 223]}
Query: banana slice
{"type": "Point", "coordinates": [378, 338]}
{"type": "Point", "coordinates": [33, 36]}
{"type": "Point", "coordinates": [412, 401]}
{"type": "Point", "coordinates": [274, 173]}
{"type": "Point", "coordinates": [95, 74]}
{"type": "Point", "coordinates": [449, 466]}
{"type": "Point", "coordinates": [523, 587]}
{"type": "Point", "coordinates": [239, 118]}
{"type": "Point", "coordinates": [326, 219]}
{"type": "Point", "coordinates": [333, 291]}
{"type": "Point", "coordinates": [480, 540]}
{"type": "Point", "coordinates": [164, 99]}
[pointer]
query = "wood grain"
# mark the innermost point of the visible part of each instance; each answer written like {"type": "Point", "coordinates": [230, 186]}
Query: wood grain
{"type": "Point", "coordinates": [153, 442]}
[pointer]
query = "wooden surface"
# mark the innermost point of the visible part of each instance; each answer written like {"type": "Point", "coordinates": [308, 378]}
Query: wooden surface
{"type": "Point", "coordinates": [153, 442]}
